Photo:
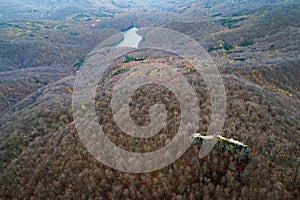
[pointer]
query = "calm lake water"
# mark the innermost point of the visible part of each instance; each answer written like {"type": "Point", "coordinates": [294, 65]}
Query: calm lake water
{"type": "Point", "coordinates": [131, 38]}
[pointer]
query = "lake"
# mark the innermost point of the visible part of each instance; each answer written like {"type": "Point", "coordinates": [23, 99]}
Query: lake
{"type": "Point", "coordinates": [131, 38]}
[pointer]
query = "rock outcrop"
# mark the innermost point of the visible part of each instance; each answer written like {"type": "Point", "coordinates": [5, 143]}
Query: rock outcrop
{"type": "Point", "coordinates": [223, 144]}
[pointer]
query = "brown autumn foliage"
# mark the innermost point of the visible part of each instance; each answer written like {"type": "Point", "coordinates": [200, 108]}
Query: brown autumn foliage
{"type": "Point", "coordinates": [41, 155]}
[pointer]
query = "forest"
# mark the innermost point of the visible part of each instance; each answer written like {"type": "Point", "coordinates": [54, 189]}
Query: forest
{"type": "Point", "coordinates": [46, 45]}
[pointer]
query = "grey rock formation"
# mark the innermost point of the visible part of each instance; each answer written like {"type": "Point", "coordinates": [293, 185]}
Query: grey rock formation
{"type": "Point", "coordinates": [224, 144]}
